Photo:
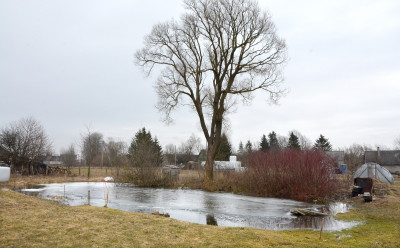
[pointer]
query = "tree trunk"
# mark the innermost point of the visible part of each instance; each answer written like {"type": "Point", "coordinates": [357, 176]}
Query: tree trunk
{"type": "Point", "coordinates": [209, 168]}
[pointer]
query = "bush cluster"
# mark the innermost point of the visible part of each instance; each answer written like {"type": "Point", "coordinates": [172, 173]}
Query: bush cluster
{"type": "Point", "coordinates": [294, 174]}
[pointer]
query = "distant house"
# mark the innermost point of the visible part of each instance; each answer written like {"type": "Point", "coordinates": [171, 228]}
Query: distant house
{"type": "Point", "coordinates": [388, 159]}
{"type": "Point", "coordinates": [53, 160]}
{"type": "Point", "coordinates": [202, 156]}
{"type": "Point", "coordinates": [337, 156]}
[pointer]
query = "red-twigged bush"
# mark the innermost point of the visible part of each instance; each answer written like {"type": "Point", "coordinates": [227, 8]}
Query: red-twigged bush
{"type": "Point", "coordinates": [300, 175]}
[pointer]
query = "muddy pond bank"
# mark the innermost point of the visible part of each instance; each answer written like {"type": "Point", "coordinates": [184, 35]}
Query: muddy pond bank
{"type": "Point", "coordinates": [196, 206]}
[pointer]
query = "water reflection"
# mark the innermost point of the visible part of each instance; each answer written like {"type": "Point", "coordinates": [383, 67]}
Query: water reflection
{"type": "Point", "coordinates": [223, 209]}
{"type": "Point", "coordinates": [210, 220]}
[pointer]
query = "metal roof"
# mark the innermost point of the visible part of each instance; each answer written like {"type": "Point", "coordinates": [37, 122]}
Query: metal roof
{"type": "Point", "coordinates": [336, 155]}
{"type": "Point", "coordinates": [386, 157]}
{"type": "Point", "coordinates": [374, 171]}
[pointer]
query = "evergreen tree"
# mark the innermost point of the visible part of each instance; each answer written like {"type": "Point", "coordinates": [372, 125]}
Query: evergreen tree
{"type": "Point", "coordinates": [322, 143]}
{"type": "Point", "coordinates": [273, 141]}
{"type": "Point", "coordinates": [225, 149]}
{"type": "Point", "coordinates": [249, 147]}
{"type": "Point", "coordinates": [264, 145]}
{"type": "Point", "coordinates": [158, 150]}
{"type": "Point", "coordinates": [241, 149]}
{"type": "Point", "coordinates": [145, 151]}
{"type": "Point", "coordinates": [293, 142]}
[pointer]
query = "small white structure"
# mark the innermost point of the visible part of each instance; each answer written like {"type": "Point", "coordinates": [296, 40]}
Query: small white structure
{"type": "Point", "coordinates": [232, 164]}
{"type": "Point", "coordinates": [109, 179]}
{"type": "Point", "coordinates": [4, 174]}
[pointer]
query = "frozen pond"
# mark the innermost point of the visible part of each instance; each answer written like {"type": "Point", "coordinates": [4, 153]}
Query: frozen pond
{"type": "Point", "coordinates": [222, 209]}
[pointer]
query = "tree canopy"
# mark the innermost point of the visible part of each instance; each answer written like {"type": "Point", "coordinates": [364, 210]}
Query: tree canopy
{"type": "Point", "coordinates": [217, 53]}
{"type": "Point", "coordinates": [293, 142]}
{"type": "Point", "coordinates": [249, 147]}
{"type": "Point", "coordinates": [241, 148]}
{"type": "Point", "coordinates": [24, 142]}
{"type": "Point", "coordinates": [92, 145]}
{"type": "Point", "coordinates": [322, 143]}
{"type": "Point", "coordinates": [68, 156]}
{"type": "Point", "coordinates": [264, 145]}
{"type": "Point", "coordinates": [145, 151]}
{"type": "Point", "coordinates": [225, 149]}
{"type": "Point", "coordinates": [273, 141]}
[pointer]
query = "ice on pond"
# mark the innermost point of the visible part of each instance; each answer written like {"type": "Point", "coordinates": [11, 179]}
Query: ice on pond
{"type": "Point", "coordinates": [222, 209]}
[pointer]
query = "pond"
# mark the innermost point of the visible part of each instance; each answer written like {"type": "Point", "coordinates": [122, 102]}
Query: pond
{"type": "Point", "coordinates": [196, 206]}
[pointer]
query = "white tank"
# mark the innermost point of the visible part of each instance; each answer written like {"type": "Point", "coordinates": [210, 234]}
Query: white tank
{"type": "Point", "coordinates": [4, 174]}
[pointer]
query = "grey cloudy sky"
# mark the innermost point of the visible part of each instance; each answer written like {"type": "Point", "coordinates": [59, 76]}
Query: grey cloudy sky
{"type": "Point", "coordinates": [69, 64]}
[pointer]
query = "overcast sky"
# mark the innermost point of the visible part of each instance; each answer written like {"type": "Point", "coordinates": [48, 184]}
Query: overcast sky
{"type": "Point", "coordinates": [69, 64]}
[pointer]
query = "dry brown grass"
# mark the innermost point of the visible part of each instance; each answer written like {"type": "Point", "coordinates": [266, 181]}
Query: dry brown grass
{"type": "Point", "coordinates": [30, 222]}
{"type": "Point", "coordinates": [17, 182]}
{"type": "Point", "coordinates": [95, 171]}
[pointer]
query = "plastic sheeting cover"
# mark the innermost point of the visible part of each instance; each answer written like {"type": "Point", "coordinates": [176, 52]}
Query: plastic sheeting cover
{"type": "Point", "coordinates": [4, 174]}
{"type": "Point", "coordinates": [375, 171]}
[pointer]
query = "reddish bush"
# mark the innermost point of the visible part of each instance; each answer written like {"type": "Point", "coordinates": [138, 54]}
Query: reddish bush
{"type": "Point", "coordinates": [300, 175]}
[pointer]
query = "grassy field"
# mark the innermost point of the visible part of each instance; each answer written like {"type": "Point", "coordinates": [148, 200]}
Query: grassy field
{"type": "Point", "coordinates": [30, 222]}
{"type": "Point", "coordinates": [95, 171]}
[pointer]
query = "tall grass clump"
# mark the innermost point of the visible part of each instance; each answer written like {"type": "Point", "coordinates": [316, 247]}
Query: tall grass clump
{"type": "Point", "coordinates": [146, 177]}
{"type": "Point", "coordinates": [295, 174]}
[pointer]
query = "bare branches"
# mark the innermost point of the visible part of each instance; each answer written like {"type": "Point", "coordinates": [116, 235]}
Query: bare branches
{"type": "Point", "coordinates": [219, 51]}
{"type": "Point", "coordinates": [25, 142]}
{"type": "Point", "coordinates": [228, 47]}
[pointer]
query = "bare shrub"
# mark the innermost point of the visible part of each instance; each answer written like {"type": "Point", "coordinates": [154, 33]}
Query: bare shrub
{"type": "Point", "coordinates": [300, 175]}
{"type": "Point", "coordinates": [144, 176]}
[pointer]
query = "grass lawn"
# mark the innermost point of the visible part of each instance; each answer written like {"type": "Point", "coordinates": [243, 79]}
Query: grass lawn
{"type": "Point", "coordinates": [30, 222]}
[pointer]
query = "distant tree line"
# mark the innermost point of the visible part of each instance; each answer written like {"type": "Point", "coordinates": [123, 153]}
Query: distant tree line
{"type": "Point", "coordinates": [274, 142]}
{"type": "Point", "coordinates": [25, 143]}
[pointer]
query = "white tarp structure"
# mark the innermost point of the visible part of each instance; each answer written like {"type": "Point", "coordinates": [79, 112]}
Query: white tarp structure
{"type": "Point", "coordinates": [4, 174]}
{"type": "Point", "coordinates": [232, 164]}
{"type": "Point", "coordinates": [374, 171]}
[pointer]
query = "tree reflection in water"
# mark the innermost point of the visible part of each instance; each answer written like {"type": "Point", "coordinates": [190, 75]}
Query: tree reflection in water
{"type": "Point", "coordinates": [211, 220]}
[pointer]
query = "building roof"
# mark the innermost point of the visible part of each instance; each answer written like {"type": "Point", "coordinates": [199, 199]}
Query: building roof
{"type": "Point", "coordinates": [386, 157]}
{"type": "Point", "coordinates": [337, 156]}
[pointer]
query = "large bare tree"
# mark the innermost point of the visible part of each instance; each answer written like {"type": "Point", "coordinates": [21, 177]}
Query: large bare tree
{"type": "Point", "coordinates": [25, 142]}
{"type": "Point", "coordinates": [92, 145]}
{"type": "Point", "coordinates": [68, 156]}
{"type": "Point", "coordinates": [116, 153]}
{"type": "Point", "coordinates": [220, 51]}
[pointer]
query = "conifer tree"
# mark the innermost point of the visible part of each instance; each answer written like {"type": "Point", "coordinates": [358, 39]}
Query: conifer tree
{"type": "Point", "coordinates": [293, 142]}
{"type": "Point", "coordinates": [273, 141]}
{"type": "Point", "coordinates": [241, 149]}
{"type": "Point", "coordinates": [225, 149]}
{"type": "Point", "coordinates": [322, 143]}
{"type": "Point", "coordinates": [145, 151]}
{"type": "Point", "coordinates": [264, 145]}
{"type": "Point", "coordinates": [249, 147]}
